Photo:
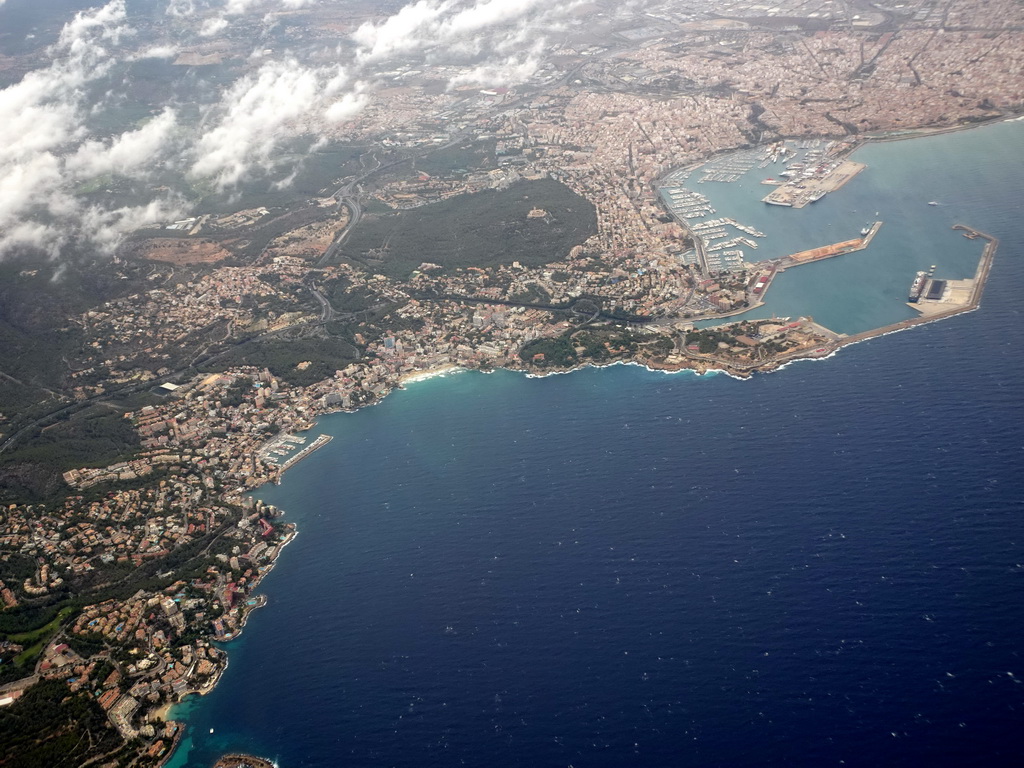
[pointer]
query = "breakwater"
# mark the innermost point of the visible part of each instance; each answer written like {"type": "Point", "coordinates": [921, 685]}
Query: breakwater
{"type": "Point", "coordinates": [830, 251]}
{"type": "Point", "coordinates": [319, 442]}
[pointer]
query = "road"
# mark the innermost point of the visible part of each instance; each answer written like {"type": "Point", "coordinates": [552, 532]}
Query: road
{"type": "Point", "coordinates": [355, 210]}
{"type": "Point", "coordinates": [326, 310]}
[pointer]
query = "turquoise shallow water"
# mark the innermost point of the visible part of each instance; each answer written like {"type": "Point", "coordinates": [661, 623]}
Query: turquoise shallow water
{"type": "Point", "coordinates": [821, 566]}
{"type": "Point", "coordinates": [867, 289]}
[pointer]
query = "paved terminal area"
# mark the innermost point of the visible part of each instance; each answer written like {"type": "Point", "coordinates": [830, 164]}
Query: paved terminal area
{"type": "Point", "coordinates": [800, 192]}
{"type": "Point", "coordinates": [958, 293]}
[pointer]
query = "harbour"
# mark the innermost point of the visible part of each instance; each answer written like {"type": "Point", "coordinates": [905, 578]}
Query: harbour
{"type": "Point", "coordinates": [966, 298]}
{"type": "Point", "coordinates": [286, 450]}
{"type": "Point", "coordinates": [817, 341]}
{"type": "Point", "coordinates": [945, 298]}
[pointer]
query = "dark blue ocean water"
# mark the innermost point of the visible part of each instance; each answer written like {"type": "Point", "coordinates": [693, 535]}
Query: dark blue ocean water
{"type": "Point", "coordinates": [818, 567]}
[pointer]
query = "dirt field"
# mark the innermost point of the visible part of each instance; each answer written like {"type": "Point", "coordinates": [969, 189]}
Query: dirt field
{"type": "Point", "coordinates": [176, 250]}
{"type": "Point", "coordinates": [310, 241]}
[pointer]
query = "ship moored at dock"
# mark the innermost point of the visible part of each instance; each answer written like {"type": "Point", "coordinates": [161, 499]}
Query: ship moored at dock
{"type": "Point", "coordinates": [917, 287]}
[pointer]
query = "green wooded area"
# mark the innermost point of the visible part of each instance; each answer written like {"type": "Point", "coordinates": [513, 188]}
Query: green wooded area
{"type": "Point", "coordinates": [484, 229]}
{"type": "Point", "coordinates": [49, 727]}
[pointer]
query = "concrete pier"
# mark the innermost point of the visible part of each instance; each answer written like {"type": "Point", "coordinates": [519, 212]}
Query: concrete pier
{"type": "Point", "coordinates": [830, 251]}
{"type": "Point", "coordinates": [803, 191]}
{"type": "Point", "coordinates": [321, 441]}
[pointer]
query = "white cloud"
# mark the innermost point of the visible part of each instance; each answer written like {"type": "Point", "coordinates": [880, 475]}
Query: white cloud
{"type": "Point", "coordinates": [516, 68]}
{"type": "Point", "coordinates": [128, 153]}
{"type": "Point", "coordinates": [45, 151]}
{"type": "Point", "coordinates": [347, 107]}
{"type": "Point", "coordinates": [213, 26]}
{"type": "Point", "coordinates": [487, 14]}
{"type": "Point", "coordinates": [190, 9]}
{"type": "Point", "coordinates": [255, 110]}
{"type": "Point", "coordinates": [181, 9]}
{"type": "Point", "coordinates": [158, 52]}
{"type": "Point", "coordinates": [88, 27]}
{"type": "Point", "coordinates": [238, 7]}
{"type": "Point", "coordinates": [107, 227]}
{"type": "Point", "coordinates": [436, 24]}
{"type": "Point", "coordinates": [404, 31]}
{"type": "Point", "coordinates": [500, 42]}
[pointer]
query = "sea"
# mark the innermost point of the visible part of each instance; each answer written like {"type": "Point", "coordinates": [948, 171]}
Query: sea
{"type": "Point", "coordinates": [821, 566]}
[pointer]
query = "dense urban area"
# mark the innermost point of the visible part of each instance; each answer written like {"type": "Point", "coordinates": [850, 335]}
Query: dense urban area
{"type": "Point", "coordinates": [520, 225]}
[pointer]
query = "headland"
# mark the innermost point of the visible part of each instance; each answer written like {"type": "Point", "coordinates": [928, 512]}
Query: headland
{"type": "Point", "coordinates": [243, 761]}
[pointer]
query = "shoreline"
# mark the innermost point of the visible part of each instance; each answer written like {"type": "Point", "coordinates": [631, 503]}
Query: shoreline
{"type": "Point", "coordinates": [165, 711]}
{"type": "Point", "coordinates": [698, 365]}
{"type": "Point", "coordinates": [430, 373]}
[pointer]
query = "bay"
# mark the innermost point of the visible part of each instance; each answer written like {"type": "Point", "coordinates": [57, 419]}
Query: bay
{"type": "Point", "coordinates": [821, 566]}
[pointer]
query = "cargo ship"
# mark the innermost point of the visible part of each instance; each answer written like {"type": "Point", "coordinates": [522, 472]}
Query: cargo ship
{"type": "Point", "coordinates": [917, 287]}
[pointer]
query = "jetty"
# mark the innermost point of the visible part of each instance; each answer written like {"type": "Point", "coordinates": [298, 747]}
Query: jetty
{"type": "Point", "coordinates": [321, 441]}
{"type": "Point", "coordinates": [830, 251]}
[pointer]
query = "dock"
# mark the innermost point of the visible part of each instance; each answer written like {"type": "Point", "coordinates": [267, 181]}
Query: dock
{"type": "Point", "coordinates": [810, 189]}
{"type": "Point", "coordinates": [960, 295]}
{"type": "Point", "coordinates": [320, 442]}
{"type": "Point", "coordinates": [831, 251]}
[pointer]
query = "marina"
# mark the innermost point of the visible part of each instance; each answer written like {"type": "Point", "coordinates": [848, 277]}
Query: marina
{"type": "Point", "coordinates": [319, 442]}
{"type": "Point", "coordinates": [715, 248]}
{"type": "Point", "coordinates": [287, 450]}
